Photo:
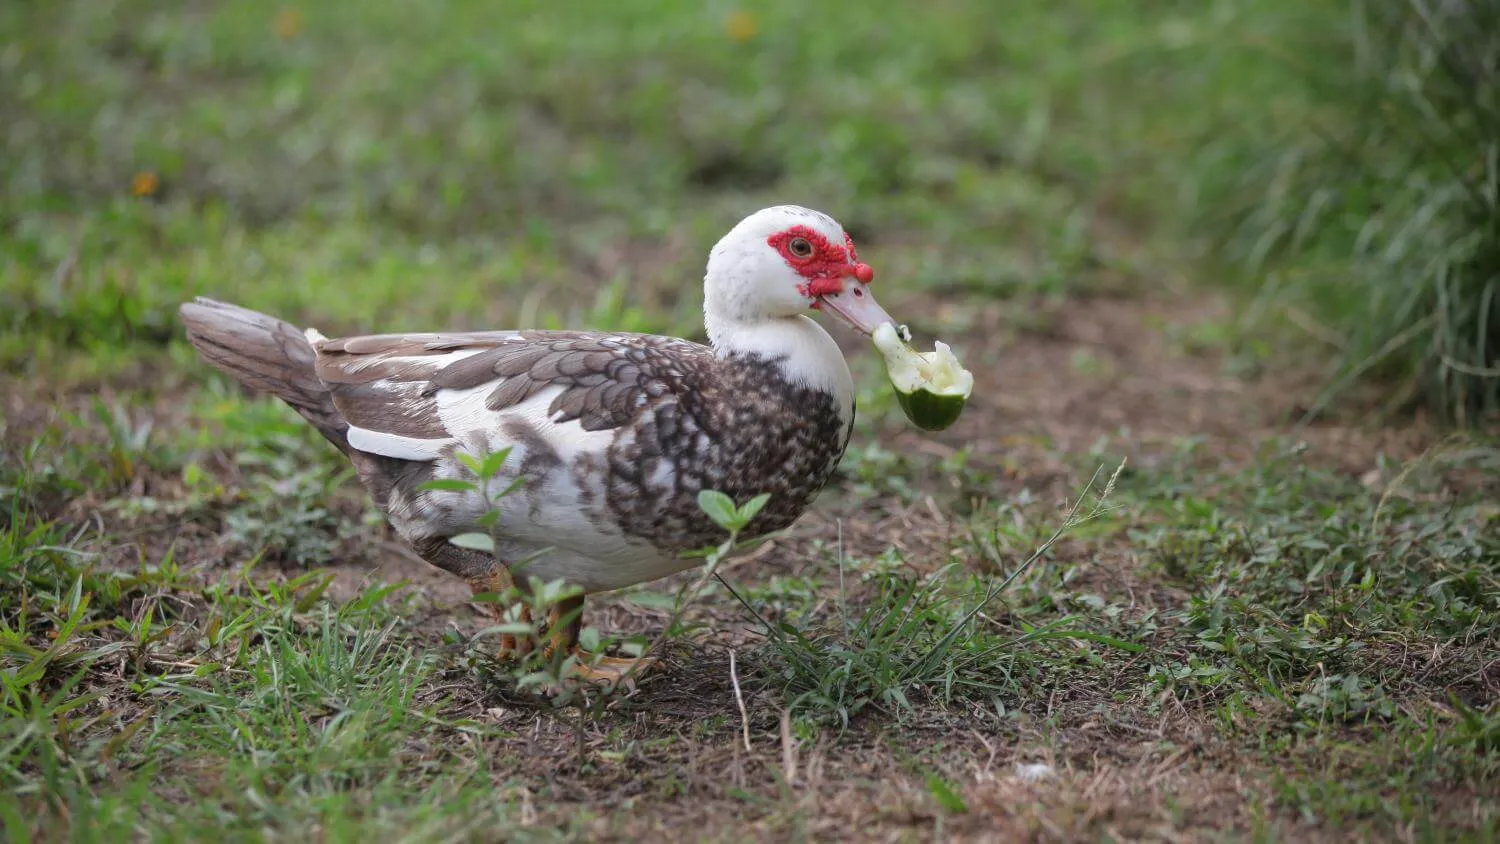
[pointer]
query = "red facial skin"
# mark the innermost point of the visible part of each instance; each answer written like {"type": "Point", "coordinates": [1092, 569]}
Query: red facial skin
{"type": "Point", "coordinates": [828, 265]}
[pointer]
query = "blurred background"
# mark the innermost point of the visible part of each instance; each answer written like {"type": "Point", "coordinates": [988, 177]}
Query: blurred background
{"type": "Point", "coordinates": [1155, 230]}
{"type": "Point", "coordinates": [1331, 166]}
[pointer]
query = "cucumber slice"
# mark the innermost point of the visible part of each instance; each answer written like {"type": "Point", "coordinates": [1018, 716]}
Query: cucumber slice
{"type": "Point", "coordinates": [932, 387]}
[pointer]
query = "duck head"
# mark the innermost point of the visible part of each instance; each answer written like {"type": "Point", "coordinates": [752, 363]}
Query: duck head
{"type": "Point", "coordinates": [787, 261]}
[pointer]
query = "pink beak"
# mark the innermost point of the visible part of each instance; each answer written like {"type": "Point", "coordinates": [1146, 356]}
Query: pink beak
{"type": "Point", "coordinates": [856, 305]}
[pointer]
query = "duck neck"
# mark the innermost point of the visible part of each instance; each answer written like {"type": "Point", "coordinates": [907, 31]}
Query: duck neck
{"type": "Point", "coordinates": [798, 347]}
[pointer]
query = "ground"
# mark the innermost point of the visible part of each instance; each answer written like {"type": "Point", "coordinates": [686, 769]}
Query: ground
{"type": "Point", "coordinates": [1274, 626]}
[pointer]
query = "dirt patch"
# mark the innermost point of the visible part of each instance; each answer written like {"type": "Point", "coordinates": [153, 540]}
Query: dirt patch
{"type": "Point", "coordinates": [1036, 782]}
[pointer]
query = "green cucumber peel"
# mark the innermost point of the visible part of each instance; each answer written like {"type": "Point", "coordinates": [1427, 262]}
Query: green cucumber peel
{"type": "Point", "coordinates": [932, 387]}
{"type": "Point", "coordinates": [937, 371]}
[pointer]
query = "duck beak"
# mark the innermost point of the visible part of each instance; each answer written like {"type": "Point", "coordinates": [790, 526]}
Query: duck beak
{"type": "Point", "coordinates": [855, 305]}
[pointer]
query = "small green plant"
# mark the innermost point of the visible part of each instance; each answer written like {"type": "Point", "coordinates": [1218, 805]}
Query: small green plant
{"type": "Point", "coordinates": [1344, 697]}
{"type": "Point", "coordinates": [284, 512]}
{"type": "Point", "coordinates": [127, 452]}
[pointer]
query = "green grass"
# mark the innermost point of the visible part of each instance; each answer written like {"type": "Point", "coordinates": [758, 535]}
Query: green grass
{"type": "Point", "coordinates": [1273, 637]}
{"type": "Point", "coordinates": [244, 712]}
{"type": "Point", "coordinates": [1345, 172]}
{"type": "Point", "coordinates": [1334, 635]}
{"type": "Point", "coordinates": [552, 150]}
{"type": "Point", "coordinates": [919, 643]}
{"type": "Point", "coordinates": [477, 154]}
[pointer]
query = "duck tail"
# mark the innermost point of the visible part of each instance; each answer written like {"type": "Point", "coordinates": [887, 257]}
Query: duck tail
{"type": "Point", "coordinates": [266, 354]}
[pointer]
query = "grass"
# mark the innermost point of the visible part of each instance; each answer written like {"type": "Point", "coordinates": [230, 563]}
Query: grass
{"type": "Point", "coordinates": [278, 702]}
{"type": "Point", "coordinates": [1317, 641]}
{"type": "Point", "coordinates": [1363, 210]}
{"type": "Point", "coordinates": [919, 640]}
{"type": "Point", "coordinates": [1267, 631]}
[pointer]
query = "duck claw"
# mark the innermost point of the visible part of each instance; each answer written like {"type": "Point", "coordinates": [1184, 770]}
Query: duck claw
{"type": "Point", "coordinates": [610, 670]}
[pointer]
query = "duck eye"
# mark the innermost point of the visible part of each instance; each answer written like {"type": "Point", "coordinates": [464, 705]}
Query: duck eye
{"type": "Point", "coordinates": [800, 247]}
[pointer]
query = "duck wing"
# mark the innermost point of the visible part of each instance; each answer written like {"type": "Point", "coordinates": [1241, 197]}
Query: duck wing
{"type": "Point", "coordinates": [416, 396]}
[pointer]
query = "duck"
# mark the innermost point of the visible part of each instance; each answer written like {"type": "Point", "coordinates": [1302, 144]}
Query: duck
{"type": "Point", "coordinates": [611, 435]}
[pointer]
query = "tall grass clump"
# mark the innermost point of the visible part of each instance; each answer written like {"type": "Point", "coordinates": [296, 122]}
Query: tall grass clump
{"type": "Point", "coordinates": [1373, 218]}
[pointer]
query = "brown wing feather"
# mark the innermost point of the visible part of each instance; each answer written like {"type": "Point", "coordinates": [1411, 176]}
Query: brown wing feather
{"type": "Point", "coordinates": [388, 383]}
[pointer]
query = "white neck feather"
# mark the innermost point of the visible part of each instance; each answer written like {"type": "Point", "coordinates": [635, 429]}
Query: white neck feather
{"type": "Point", "coordinates": [806, 354]}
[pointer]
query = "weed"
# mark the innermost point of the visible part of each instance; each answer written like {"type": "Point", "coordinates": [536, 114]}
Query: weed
{"type": "Point", "coordinates": [284, 513]}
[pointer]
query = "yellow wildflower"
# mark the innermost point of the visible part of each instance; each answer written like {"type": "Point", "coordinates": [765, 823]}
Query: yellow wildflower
{"type": "Point", "coordinates": [144, 183]}
{"type": "Point", "coordinates": [741, 26]}
{"type": "Point", "coordinates": [289, 23]}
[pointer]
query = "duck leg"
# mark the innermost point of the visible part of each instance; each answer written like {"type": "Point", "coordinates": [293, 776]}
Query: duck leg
{"type": "Point", "coordinates": [484, 574]}
{"type": "Point", "coordinates": [561, 634]}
